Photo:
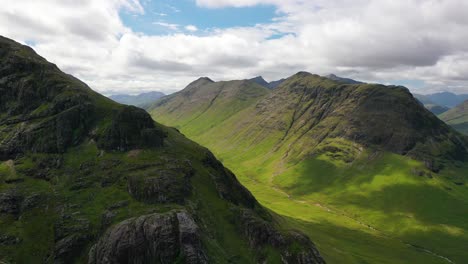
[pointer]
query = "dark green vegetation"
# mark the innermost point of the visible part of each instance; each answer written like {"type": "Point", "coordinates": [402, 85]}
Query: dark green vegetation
{"type": "Point", "coordinates": [364, 169]}
{"type": "Point", "coordinates": [137, 100]}
{"type": "Point", "coordinates": [84, 179]}
{"type": "Point", "coordinates": [457, 117]}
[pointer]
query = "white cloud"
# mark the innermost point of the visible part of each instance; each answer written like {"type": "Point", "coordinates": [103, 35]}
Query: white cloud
{"type": "Point", "coordinates": [167, 25]}
{"type": "Point", "coordinates": [191, 28]}
{"type": "Point", "coordinates": [371, 40]}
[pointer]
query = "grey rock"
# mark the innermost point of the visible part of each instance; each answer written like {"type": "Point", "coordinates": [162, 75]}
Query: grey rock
{"type": "Point", "coordinates": [154, 238]}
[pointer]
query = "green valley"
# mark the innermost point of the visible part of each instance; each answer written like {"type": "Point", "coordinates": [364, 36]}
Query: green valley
{"type": "Point", "coordinates": [457, 117]}
{"type": "Point", "coordinates": [86, 180]}
{"type": "Point", "coordinates": [368, 173]}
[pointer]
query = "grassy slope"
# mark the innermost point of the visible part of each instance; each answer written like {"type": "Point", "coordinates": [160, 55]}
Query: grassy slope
{"type": "Point", "coordinates": [457, 117]}
{"type": "Point", "coordinates": [35, 227]}
{"type": "Point", "coordinates": [375, 209]}
{"type": "Point", "coordinates": [72, 191]}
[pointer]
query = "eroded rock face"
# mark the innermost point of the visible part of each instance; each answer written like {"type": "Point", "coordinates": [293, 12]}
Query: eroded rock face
{"type": "Point", "coordinates": [43, 109]}
{"type": "Point", "coordinates": [10, 202]}
{"type": "Point", "coordinates": [131, 128]}
{"type": "Point", "coordinates": [155, 238]}
{"type": "Point", "coordinates": [227, 185]}
{"type": "Point", "coordinates": [293, 246]}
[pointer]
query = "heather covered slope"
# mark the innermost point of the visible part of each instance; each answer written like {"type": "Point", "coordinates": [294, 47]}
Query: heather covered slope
{"type": "Point", "coordinates": [457, 117]}
{"type": "Point", "coordinates": [84, 179]}
{"type": "Point", "coordinates": [365, 164]}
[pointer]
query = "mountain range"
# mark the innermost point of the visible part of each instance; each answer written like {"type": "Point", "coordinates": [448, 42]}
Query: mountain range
{"type": "Point", "coordinates": [270, 85]}
{"type": "Point", "coordinates": [137, 100]}
{"type": "Point", "coordinates": [457, 117]}
{"type": "Point", "coordinates": [365, 166]}
{"type": "Point", "coordinates": [84, 179]}
{"type": "Point", "coordinates": [444, 99]}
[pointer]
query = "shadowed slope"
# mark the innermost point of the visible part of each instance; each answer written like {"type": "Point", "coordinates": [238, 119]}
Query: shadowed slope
{"type": "Point", "coordinates": [365, 158]}
{"type": "Point", "coordinates": [84, 179]}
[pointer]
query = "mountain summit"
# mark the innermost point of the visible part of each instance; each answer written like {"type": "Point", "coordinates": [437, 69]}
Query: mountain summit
{"type": "Point", "coordinates": [348, 160]}
{"type": "Point", "coordinates": [85, 179]}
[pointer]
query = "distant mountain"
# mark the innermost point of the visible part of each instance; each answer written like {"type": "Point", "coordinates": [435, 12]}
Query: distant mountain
{"type": "Point", "coordinates": [457, 117]}
{"type": "Point", "coordinates": [430, 105]}
{"type": "Point", "coordinates": [137, 100]}
{"type": "Point", "coordinates": [84, 179]}
{"type": "Point", "coordinates": [340, 157]}
{"type": "Point", "coordinates": [342, 80]}
{"type": "Point", "coordinates": [446, 99]}
{"type": "Point", "coordinates": [270, 85]}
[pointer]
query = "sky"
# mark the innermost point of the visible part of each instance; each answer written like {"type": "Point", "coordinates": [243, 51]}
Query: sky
{"type": "Point", "coordinates": [133, 46]}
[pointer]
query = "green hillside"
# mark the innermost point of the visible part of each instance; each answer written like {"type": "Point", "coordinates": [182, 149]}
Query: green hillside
{"type": "Point", "coordinates": [364, 169]}
{"type": "Point", "coordinates": [457, 117]}
{"type": "Point", "coordinates": [86, 180]}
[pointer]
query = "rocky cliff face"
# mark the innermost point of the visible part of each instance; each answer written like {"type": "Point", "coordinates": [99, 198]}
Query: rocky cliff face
{"type": "Point", "coordinates": [311, 108]}
{"type": "Point", "coordinates": [157, 238]}
{"type": "Point", "coordinates": [84, 179]}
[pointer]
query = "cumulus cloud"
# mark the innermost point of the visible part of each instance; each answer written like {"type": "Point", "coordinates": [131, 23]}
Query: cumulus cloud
{"type": "Point", "coordinates": [191, 28]}
{"type": "Point", "coordinates": [371, 40]}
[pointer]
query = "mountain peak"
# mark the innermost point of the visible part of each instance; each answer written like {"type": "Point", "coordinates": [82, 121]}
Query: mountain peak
{"type": "Point", "coordinates": [341, 79]}
{"type": "Point", "coordinates": [259, 80]}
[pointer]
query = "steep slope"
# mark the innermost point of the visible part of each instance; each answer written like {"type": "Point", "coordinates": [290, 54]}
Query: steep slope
{"type": "Point", "coordinates": [84, 179]}
{"type": "Point", "coordinates": [430, 105]}
{"type": "Point", "coordinates": [364, 161]}
{"type": "Point", "coordinates": [270, 85]}
{"type": "Point", "coordinates": [204, 104]}
{"type": "Point", "coordinates": [137, 100]}
{"type": "Point", "coordinates": [335, 78]}
{"type": "Point", "coordinates": [457, 117]}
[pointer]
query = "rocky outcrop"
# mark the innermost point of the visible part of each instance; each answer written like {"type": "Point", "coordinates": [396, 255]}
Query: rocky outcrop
{"type": "Point", "coordinates": [293, 246]}
{"type": "Point", "coordinates": [227, 185]}
{"type": "Point", "coordinates": [167, 183]}
{"type": "Point", "coordinates": [10, 202]}
{"type": "Point", "coordinates": [43, 109]}
{"type": "Point", "coordinates": [131, 127]}
{"type": "Point", "coordinates": [155, 238]}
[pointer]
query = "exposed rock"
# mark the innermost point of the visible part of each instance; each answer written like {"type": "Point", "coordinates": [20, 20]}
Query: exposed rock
{"type": "Point", "coordinates": [69, 247]}
{"type": "Point", "coordinates": [107, 218]}
{"type": "Point", "coordinates": [166, 183]}
{"type": "Point", "coordinates": [9, 240]}
{"type": "Point", "coordinates": [293, 246]}
{"type": "Point", "coordinates": [118, 205]}
{"type": "Point", "coordinates": [131, 128]}
{"type": "Point", "coordinates": [227, 184]}
{"type": "Point", "coordinates": [155, 238]}
{"type": "Point", "coordinates": [10, 202]}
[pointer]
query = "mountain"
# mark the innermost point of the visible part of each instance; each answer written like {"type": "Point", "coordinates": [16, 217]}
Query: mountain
{"type": "Point", "coordinates": [362, 165]}
{"type": "Point", "coordinates": [137, 100]}
{"type": "Point", "coordinates": [457, 117]}
{"type": "Point", "coordinates": [446, 99]}
{"type": "Point", "coordinates": [85, 179]}
{"type": "Point", "coordinates": [430, 105]}
{"type": "Point", "coordinates": [270, 85]}
{"type": "Point", "coordinates": [333, 77]}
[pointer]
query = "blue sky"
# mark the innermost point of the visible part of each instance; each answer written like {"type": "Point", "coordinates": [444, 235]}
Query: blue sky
{"type": "Point", "coordinates": [183, 13]}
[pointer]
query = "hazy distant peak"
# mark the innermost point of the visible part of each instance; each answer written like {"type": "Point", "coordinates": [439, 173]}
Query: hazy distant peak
{"type": "Point", "coordinates": [270, 85]}
{"type": "Point", "coordinates": [341, 79]}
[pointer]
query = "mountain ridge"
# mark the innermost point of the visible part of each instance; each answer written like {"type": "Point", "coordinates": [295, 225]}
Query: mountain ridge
{"type": "Point", "coordinates": [137, 100]}
{"type": "Point", "coordinates": [318, 150]}
{"type": "Point", "coordinates": [85, 179]}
